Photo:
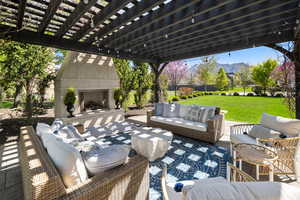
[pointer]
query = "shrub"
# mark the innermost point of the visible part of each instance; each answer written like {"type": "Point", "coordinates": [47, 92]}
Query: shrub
{"type": "Point", "coordinates": [70, 97]}
{"type": "Point", "coordinates": [210, 93]}
{"type": "Point", "coordinates": [190, 96]}
{"type": "Point", "coordinates": [279, 95]}
{"type": "Point", "coordinates": [175, 98]}
{"type": "Point", "coordinates": [250, 94]}
{"type": "Point", "coordinates": [183, 97]}
{"type": "Point", "coordinates": [258, 90]}
{"type": "Point", "coordinates": [236, 94]}
{"type": "Point", "coordinates": [223, 94]}
{"type": "Point", "coordinates": [195, 95]}
{"type": "Point", "coordinates": [185, 91]}
{"type": "Point", "coordinates": [264, 95]}
{"type": "Point", "coordinates": [205, 93]}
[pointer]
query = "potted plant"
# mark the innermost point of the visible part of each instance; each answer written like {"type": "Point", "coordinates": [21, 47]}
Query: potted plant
{"type": "Point", "coordinates": [69, 101]}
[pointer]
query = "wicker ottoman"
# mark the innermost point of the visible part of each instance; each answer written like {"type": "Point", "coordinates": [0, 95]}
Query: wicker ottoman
{"type": "Point", "coordinates": [153, 143]}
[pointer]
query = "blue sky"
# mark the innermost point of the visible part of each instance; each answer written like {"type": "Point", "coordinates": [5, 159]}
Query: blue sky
{"type": "Point", "coordinates": [250, 56]}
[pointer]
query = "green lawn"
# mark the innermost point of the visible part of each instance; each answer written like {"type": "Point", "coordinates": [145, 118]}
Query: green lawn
{"type": "Point", "coordinates": [6, 104]}
{"type": "Point", "coordinates": [243, 109]}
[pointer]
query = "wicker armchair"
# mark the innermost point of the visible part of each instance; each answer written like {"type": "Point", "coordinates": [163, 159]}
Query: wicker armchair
{"type": "Point", "coordinates": [41, 180]}
{"type": "Point", "coordinates": [284, 148]}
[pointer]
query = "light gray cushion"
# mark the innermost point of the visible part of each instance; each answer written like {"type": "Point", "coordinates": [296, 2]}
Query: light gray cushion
{"type": "Point", "coordinates": [183, 110]}
{"type": "Point", "coordinates": [242, 138]}
{"type": "Point", "coordinates": [171, 110]}
{"type": "Point", "coordinates": [158, 109]}
{"type": "Point", "coordinates": [57, 124]}
{"type": "Point", "coordinates": [258, 131]}
{"type": "Point", "coordinates": [101, 159]}
{"type": "Point", "coordinates": [193, 113]}
{"type": "Point", "coordinates": [206, 113]}
{"type": "Point", "coordinates": [176, 121]}
{"type": "Point", "coordinates": [69, 131]}
{"type": "Point", "coordinates": [290, 127]}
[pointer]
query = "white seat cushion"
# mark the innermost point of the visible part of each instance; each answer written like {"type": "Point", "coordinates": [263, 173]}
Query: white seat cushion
{"type": "Point", "coordinates": [101, 159]}
{"type": "Point", "coordinates": [258, 131]}
{"type": "Point", "coordinates": [57, 124]}
{"type": "Point", "coordinates": [242, 138]}
{"type": "Point", "coordinates": [69, 131]}
{"type": "Point", "coordinates": [67, 160]}
{"type": "Point", "coordinates": [42, 130]}
{"type": "Point", "coordinates": [181, 122]}
{"type": "Point", "coordinates": [290, 127]}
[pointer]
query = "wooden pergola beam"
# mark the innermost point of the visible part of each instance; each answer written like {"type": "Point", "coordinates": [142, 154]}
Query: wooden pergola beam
{"type": "Point", "coordinates": [181, 21]}
{"type": "Point", "coordinates": [79, 11]}
{"type": "Point", "coordinates": [106, 13]}
{"type": "Point", "coordinates": [50, 41]}
{"type": "Point", "coordinates": [51, 10]}
{"type": "Point", "coordinates": [277, 20]}
{"type": "Point", "coordinates": [155, 16]}
{"type": "Point", "coordinates": [233, 14]}
{"type": "Point", "coordinates": [232, 46]}
{"type": "Point", "coordinates": [131, 14]}
{"type": "Point", "coordinates": [263, 28]}
{"type": "Point", "coordinates": [21, 10]}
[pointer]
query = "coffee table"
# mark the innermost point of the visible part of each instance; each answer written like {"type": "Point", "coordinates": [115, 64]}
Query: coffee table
{"type": "Point", "coordinates": [153, 143]}
{"type": "Point", "coordinates": [257, 155]}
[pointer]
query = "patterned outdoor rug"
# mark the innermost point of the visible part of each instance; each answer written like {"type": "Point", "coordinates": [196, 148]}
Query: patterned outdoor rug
{"type": "Point", "coordinates": [186, 159]}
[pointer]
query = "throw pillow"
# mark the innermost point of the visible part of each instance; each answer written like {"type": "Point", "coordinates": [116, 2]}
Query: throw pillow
{"type": "Point", "coordinates": [258, 131]}
{"type": "Point", "coordinates": [57, 124]}
{"type": "Point", "coordinates": [98, 160]}
{"type": "Point", "coordinates": [69, 131]}
{"type": "Point", "coordinates": [43, 130]}
{"type": "Point", "coordinates": [67, 160]}
{"type": "Point", "coordinates": [206, 113]}
{"type": "Point", "coordinates": [289, 127]}
{"type": "Point", "coordinates": [183, 110]}
{"type": "Point", "coordinates": [158, 109]}
{"type": "Point", "coordinates": [193, 113]}
{"type": "Point", "coordinates": [171, 110]}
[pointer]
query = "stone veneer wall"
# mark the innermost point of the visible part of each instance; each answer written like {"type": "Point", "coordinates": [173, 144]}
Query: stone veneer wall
{"type": "Point", "coordinates": [84, 72]}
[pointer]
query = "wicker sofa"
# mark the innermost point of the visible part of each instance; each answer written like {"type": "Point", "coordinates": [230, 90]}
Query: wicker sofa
{"type": "Point", "coordinates": [41, 179]}
{"type": "Point", "coordinates": [212, 132]}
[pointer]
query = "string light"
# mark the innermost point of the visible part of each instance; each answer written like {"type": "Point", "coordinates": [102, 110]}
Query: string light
{"type": "Point", "coordinates": [193, 20]}
{"type": "Point", "coordinates": [166, 36]}
{"type": "Point", "coordinates": [297, 21]}
{"type": "Point", "coordinates": [85, 1]}
{"type": "Point", "coordinates": [108, 51]}
{"type": "Point", "coordinates": [279, 33]}
{"type": "Point", "coordinates": [229, 54]}
{"type": "Point", "coordinates": [145, 45]}
{"type": "Point", "coordinates": [254, 46]}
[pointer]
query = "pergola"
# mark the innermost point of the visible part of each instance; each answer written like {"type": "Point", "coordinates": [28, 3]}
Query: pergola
{"type": "Point", "coordinates": [154, 31]}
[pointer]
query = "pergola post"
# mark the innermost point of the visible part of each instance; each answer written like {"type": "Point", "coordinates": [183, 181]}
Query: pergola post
{"type": "Point", "coordinates": [157, 69]}
{"type": "Point", "coordinates": [296, 53]}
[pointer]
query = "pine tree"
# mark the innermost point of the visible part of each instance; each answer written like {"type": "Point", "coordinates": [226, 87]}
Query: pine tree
{"type": "Point", "coordinates": [222, 80]}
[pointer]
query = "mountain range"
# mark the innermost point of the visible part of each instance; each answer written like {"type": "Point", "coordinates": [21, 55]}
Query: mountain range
{"type": "Point", "coordinates": [232, 68]}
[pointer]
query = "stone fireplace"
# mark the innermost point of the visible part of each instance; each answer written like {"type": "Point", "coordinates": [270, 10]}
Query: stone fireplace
{"type": "Point", "coordinates": [93, 77]}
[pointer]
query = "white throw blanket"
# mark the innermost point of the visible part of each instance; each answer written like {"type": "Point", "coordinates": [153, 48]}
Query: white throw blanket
{"type": "Point", "coordinates": [243, 191]}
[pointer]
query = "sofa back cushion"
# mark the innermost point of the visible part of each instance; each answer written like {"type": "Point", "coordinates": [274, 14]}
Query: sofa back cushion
{"type": "Point", "coordinates": [67, 160]}
{"type": "Point", "coordinates": [42, 130]}
{"type": "Point", "coordinates": [183, 110]}
{"type": "Point", "coordinates": [171, 110]}
{"type": "Point", "coordinates": [259, 131]}
{"type": "Point", "coordinates": [290, 127]}
{"type": "Point", "coordinates": [40, 177]}
{"type": "Point", "coordinates": [193, 113]}
{"type": "Point", "coordinates": [158, 109]}
{"type": "Point", "coordinates": [200, 113]}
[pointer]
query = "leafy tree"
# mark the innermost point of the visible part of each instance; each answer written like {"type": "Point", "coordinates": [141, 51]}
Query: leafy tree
{"type": "Point", "coordinates": [244, 77]}
{"type": "Point", "coordinates": [23, 65]}
{"type": "Point", "coordinates": [207, 71]}
{"type": "Point", "coordinates": [261, 74]}
{"type": "Point", "coordinates": [176, 71]}
{"type": "Point", "coordinates": [127, 80]}
{"type": "Point", "coordinates": [222, 80]}
{"type": "Point", "coordinates": [143, 82]}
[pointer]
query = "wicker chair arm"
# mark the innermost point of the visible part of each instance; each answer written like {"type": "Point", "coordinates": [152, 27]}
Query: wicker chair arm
{"type": "Point", "coordinates": [150, 113]}
{"type": "Point", "coordinates": [129, 179]}
{"type": "Point", "coordinates": [214, 127]}
{"type": "Point", "coordinates": [278, 140]}
{"type": "Point", "coordinates": [241, 128]}
{"type": "Point", "coordinates": [234, 174]}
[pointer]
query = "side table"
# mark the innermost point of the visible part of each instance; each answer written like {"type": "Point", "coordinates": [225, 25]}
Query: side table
{"type": "Point", "coordinates": [257, 155]}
